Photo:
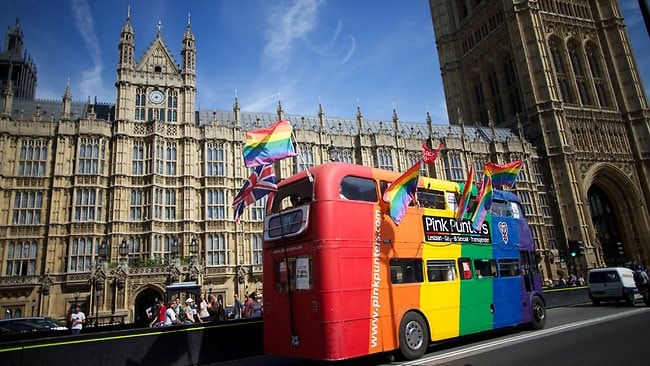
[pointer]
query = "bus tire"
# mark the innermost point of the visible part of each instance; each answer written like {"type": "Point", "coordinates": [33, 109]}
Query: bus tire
{"type": "Point", "coordinates": [538, 313]}
{"type": "Point", "coordinates": [413, 336]}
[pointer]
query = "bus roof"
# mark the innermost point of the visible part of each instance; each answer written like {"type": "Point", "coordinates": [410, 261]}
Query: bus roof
{"type": "Point", "coordinates": [344, 169]}
{"type": "Point", "coordinates": [500, 195]}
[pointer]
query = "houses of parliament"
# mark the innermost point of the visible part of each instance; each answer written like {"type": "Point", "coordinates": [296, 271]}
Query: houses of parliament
{"type": "Point", "coordinates": [110, 205]}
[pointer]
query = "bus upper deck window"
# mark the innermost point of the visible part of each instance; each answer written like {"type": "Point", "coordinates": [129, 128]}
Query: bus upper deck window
{"type": "Point", "coordinates": [430, 198]}
{"type": "Point", "coordinates": [296, 194]}
{"type": "Point", "coordinates": [358, 189]}
{"type": "Point", "coordinates": [295, 200]}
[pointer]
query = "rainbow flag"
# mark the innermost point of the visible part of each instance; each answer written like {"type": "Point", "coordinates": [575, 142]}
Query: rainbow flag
{"type": "Point", "coordinates": [464, 198]}
{"type": "Point", "coordinates": [504, 175]}
{"type": "Point", "coordinates": [483, 201]}
{"type": "Point", "coordinates": [401, 192]}
{"type": "Point", "coordinates": [268, 145]}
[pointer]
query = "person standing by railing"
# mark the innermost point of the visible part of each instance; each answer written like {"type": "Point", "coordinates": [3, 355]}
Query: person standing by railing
{"type": "Point", "coordinates": [255, 307]}
{"type": "Point", "coordinates": [204, 315]}
{"type": "Point", "coordinates": [237, 308]}
{"type": "Point", "coordinates": [77, 320]}
{"type": "Point", "coordinates": [189, 314]}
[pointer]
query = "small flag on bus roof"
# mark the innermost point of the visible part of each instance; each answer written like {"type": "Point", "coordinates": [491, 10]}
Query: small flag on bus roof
{"type": "Point", "coordinates": [504, 176]}
{"type": "Point", "coordinates": [464, 197]}
{"type": "Point", "coordinates": [268, 145]}
{"type": "Point", "coordinates": [483, 201]}
{"type": "Point", "coordinates": [401, 192]}
{"type": "Point", "coordinates": [260, 183]}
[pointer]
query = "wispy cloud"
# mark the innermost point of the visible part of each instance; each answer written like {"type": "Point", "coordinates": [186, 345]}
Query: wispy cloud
{"type": "Point", "coordinates": [348, 55]}
{"type": "Point", "coordinates": [333, 50]}
{"type": "Point", "coordinates": [265, 98]}
{"type": "Point", "coordinates": [91, 82]}
{"type": "Point", "coordinates": [286, 24]}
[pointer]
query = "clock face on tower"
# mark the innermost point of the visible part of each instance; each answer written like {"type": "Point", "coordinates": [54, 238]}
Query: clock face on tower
{"type": "Point", "coordinates": [156, 97]}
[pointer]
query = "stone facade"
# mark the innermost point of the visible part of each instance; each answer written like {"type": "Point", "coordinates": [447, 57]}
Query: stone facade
{"type": "Point", "coordinates": [566, 71]}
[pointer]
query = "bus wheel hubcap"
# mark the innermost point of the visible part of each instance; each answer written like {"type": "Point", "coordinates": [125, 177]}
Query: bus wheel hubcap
{"type": "Point", "coordinates": [413, 334]}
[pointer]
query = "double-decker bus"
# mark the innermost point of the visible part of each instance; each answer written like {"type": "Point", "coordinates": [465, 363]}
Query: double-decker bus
{"type": "Point", "coordinates": [341, 280]}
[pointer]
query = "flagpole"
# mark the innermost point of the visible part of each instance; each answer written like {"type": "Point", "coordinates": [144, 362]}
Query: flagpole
{"type": "Point", "coordinates": [304, 163]}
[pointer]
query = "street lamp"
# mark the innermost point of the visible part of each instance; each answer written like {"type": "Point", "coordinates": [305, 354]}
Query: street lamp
{"type": "Point", "coordinates": [103, 251]}
{"type": "Point", "coordinates": [98, 283]}
{"type": "Point", "coordinates": [124, 249]}
{"type": "Point", "coordinates": [194, 246]}
{"type": "Point", "coordinates": [174, 251]}
{"type": "Point", "coordinates": [175, 248]}
{"type": "Point", "coordinates": [334, 153]}
{"type": "Point", "coordinates": [196, 266]}
{"type": "Point", "coordinates": [194, 249]}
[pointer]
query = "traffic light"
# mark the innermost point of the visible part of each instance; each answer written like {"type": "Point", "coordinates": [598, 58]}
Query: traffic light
{"type": "Point", "coordinates": [573, 248]}
{"type": "Point", "coordinates": [580, 246]}
{"type": "Point", "coordinates": [562, 255]}
{"type": "Point", "coordinates": [619, 247]}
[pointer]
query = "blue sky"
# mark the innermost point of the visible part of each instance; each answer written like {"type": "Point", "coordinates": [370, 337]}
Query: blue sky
{"type": "Point", "coordinates": [380, 54]}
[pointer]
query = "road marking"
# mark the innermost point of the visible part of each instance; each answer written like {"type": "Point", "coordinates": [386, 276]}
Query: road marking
{"type": "Point", "coordinates": [521, 338]}
{"type": "Point", "coordinates": [68, 340]}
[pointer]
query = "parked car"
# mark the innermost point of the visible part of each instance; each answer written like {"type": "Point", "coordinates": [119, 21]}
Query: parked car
{"type": "Point", "coordinates": [31, 325]}
{"type": "Point", "coordinates": [612, 284]}
{"type": "Point", "coordinates": [230, 312]}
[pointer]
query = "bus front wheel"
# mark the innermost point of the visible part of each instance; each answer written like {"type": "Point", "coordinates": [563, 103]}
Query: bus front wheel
{"type": "Point", "coordinates": [413, 336]}
{"type": "Point", "coordinates": [538, 318]}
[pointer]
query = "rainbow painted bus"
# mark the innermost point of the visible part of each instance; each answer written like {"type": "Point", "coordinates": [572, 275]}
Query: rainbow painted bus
{"type": "Point", "coordinates": [341, 280]}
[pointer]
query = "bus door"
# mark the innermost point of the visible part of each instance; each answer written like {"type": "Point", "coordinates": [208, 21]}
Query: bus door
{"type": "Point", "coordinates": [528, 263]}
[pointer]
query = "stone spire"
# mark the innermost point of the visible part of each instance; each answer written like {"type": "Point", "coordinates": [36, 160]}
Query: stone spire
{"type": "Point", "coordinates": [491, 124]}
{"type": "Point", "coordinates": [188, 73]}
{"type": "Point", "coordinates": [8, 100]}
{"type": "Point", "coordinates": [461, 122]}
{"type": "Point", "coordinates": [127, 44]}
{"type": "Point", "coordinates": [67, 102]}
{"type": "Point", "coordinates": [321, 115]}
{"type": "Point", "coordinates": [236, 108]}
{"type": "Point", "coordinates": [280, 110]}
{"type": "Point", "coordinates": [359, 118]}
{"type": "Point", "coordinates": [395, 119]}
{"type": "Point", "coordinates": [188, 51]}
{"type": "Point", "coordinates": [429, 123]}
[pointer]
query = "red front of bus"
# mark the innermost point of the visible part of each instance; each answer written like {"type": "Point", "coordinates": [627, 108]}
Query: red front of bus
{"type": "Point", "coordinates": [317, 286]}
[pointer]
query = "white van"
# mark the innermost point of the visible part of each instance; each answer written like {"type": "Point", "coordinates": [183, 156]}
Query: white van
{"type": "Point", "coordinates": [612, 284]}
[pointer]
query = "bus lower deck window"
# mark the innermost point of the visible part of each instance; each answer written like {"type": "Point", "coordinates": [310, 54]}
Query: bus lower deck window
{"type": "Point", "coordinates": [441, 270]}
{"type": "Point", "coordinates": [406, 271]}
{"type": "Point", "coordinates": [486, 267]}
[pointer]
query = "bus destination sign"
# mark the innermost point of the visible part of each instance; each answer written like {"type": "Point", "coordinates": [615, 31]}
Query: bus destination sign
{"type": "Point", "coordinates": [447, 229]}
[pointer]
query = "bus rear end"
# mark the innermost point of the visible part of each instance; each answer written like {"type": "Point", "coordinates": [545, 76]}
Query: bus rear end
{"type": "Point", "coordinates": [316, 284]}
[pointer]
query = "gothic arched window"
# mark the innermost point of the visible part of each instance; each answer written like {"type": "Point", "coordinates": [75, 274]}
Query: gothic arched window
{"type": "Point", "coordinates": [512, 88]}
{"type": "Point", "coordinates": [560, 71]}
{"type": "Point", "coordinates": [578, 71]}
{"type": "Point", "coordinates": [593, 57]}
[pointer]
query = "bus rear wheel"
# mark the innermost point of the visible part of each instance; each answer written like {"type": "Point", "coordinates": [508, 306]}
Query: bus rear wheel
{"type": "Point", "coordinates": [538, 318]}
{"type": "Point", "coordinates": [413, 336]}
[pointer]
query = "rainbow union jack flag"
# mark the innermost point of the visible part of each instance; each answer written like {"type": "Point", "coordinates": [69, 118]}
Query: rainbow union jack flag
{"type": "Point", "coordinates": [259, 184]}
